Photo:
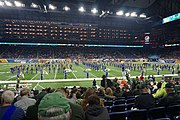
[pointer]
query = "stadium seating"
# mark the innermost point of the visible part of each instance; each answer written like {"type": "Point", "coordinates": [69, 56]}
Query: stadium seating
{"type": "Point", "coordinates": [173, 111]}
{"type": "Point", "coordinates": [118, 115]}
{"type": "Point", "coordinates": [157, 112]}
{"type": "Point", "coordinates": [137, 115]}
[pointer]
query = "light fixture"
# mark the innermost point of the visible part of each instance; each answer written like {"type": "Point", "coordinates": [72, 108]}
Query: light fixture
{"type": "Point", "coordinates": [127, 14]}
{"type": "Point", "coordinates": [66, 8]}
{"type": "Point", "coordinates": [133, 14]}
{"type": "Point", "coordinates": [81, 9]}
{"type": "Point", "coordinates": [8, 3]}
{"type": "Point", "coordinates": [18, 4]}
{"type": "Point", "coordinates": [33, 5]}
{"type": "Point", "coordinates": [94, 11]}
{"type": "Point", "coordinates": [119, 13]}
{"type": "Point", "coordinates": [1, 3]}
{"type": "Point", "coordinates": [142, 16]}
{"type": "Point", "coordinates": [52, 7]}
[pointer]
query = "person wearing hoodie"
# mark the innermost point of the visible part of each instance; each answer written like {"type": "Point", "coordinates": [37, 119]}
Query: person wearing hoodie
{"type": "Point", "coordinates": [94, 110]}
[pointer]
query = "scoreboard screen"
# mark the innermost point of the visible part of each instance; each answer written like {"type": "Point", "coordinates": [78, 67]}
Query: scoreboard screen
{"type": "Point", "coordinates": [171, 18]}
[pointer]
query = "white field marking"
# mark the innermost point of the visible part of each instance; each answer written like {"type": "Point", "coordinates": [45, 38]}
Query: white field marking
{"type": "Point", "coordinates": [55, 73]}
{"type": "Point", "coordinates": [3, 68]}
{"type": "Point", "coordinates": [34, 76]}
{"type": "Point", "coordinates": [69, 80]}
{"type": "Point", "coordinates": [11, 77]}
{"type": "Point", "coordinates": [74, 75]}
{"type": "Point", "coordinates": [4, 72]}
{"type": "Point", "coordinates": [89, 72]}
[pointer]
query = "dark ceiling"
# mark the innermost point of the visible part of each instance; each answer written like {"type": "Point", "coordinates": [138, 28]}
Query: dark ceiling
{"type": "Point", "coordinates": [152, 8]}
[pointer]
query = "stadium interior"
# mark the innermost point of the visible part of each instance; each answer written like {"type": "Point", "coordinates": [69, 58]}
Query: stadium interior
{"type": "Point", "coordinates": [106, 59]}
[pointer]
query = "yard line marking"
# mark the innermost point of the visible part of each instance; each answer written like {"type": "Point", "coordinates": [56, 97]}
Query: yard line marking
{"type": "Point", "coordinates": [74, 75]}
{"type": "Point", "coordinates": [55, 73]}
{"type": "Point", "coordinates": [89, 72]}
{"type": "Point", "coordinates": [11, 77]}
{"type": "Point", "coordinates": [34, 76]}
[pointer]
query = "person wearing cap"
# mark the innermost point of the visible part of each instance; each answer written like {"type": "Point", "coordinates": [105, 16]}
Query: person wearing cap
{"type": "Point", "coordinates": [54, 106]}
{"type": "Point", "coordinates": [58, 101]}
{"type": "Point", "coordinates": [24, 102]}
{"type": "Point", "coordinates": [145, 100]}
{"type": "Point", "coordinates": [106, 82]}
{"type": "Point", "coordinates": [171, 98]}
{"type": "Point", "coordinates": [7, 110]}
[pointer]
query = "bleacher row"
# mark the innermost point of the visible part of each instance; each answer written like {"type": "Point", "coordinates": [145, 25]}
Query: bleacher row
{"type": "Point", "coordinates": [122, 109]}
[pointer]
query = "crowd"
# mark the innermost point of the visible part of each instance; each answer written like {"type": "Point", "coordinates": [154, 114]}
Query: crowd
{"type": "Point", "coordinates": [46, 52]}
{"type": "Point", "coordinates": [88, 103]}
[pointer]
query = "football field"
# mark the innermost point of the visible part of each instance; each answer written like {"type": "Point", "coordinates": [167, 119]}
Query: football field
{"type": "Point", "coordinates": [75, 74]}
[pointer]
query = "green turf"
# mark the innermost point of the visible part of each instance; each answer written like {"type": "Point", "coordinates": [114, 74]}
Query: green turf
{"type": "Point", "coordinates": [77, 73]}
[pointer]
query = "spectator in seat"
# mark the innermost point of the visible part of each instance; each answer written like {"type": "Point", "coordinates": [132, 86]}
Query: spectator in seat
{"type": "Point", "coordinates": [24, 102]}
{"type": "Point", "coordinates": [84, 102]}
{"type": "Point", "coordinates": [145, 100]}
{"type": "Point", "coordinates": [8, 111]}
{"type": "Point", "coordinates": [32, 111]}
{"type": "Point", "coordinates": [94, 110]}
{"type": "Point", "coordinates": [106, 82]}
{"type": "Point", "coordinates": [54, 106]}
{"type": "Point", "coordinates": [171, 98]}
{"type": "Point", "coordinates": [77, 110]}
{"type": "Point", "coordinates": [109, 93]}
{"type": "Point", "coordinates": [127, 92]}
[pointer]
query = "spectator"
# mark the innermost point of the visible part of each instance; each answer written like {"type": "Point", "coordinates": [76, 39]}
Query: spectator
{"type": "Point", "coordinates": [171, 98]}
{"type": "Point", "coordinates": [109, 93]}
{"type": "Point", "coordinates": [84, 102]}
{"type": "Point", "coordinates": [77, 110]}
{"type": "Point", "coordinates": [54, 106]}
{"type": "Point", "coordinates": [145, 100]}
{"type": "Point", "coordinates": [127, 92]}
{"type": "Point", "coordinates": [95, 111]}
{"type": "Point", "coordinates": [32, 111]}
{"type": "Point", "coordinates": [24, 101]}
{"type": "Point", "coordinates": [8, 111]}
{"type": "Point", "coordinates": [106, 82]}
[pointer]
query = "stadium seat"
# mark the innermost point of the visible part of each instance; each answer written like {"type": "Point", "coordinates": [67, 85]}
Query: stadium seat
{"type": "Point", "coordinates": [119, 98]}
{"type": "Point", "coordinates": [157, 112]}
{"type": "Point", "coordinates": [118, 108]}
{"type": "Point", "coordinates": [137, 114]}
{"type": "Point", "coordinates": [173, 111]}
{"type": "Point", "coordinates": [108, 103]}
{"type": "Point", "coordinates": [128, 97]}
{"type": "Point", "coordinates": [118, 102]}
{"type": "Point", "coordinates": [130, 100]}
{"type": "Point", "coordinates": [177, 117]}
{"type": "Point", "coordinates": [129, 106]}
{"type": "Point", "coordinates": [163, 119]}
{"type": "Point", "coordinates": [118, 115]}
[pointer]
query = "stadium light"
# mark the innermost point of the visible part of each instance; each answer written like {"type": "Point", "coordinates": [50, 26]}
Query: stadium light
{"type": "Point", "coordinates": [33, 5]}
{"type": "Point", "coordinates": [133, 14]}
{"type": "Point", "coordinates": [81, 9]}
{"type": "Point", "coordinates": [52, 7]}
{"type": "Point", "coordinates": [127, 14]}
{"type": "Point", "coordinates": [142, 16]}
{"type": "Point", "coordinates": [18, 4]}
{"type": "Point", "coordinates": [8, 3]}
{"type": "Point", "coordinates": [94, 11]}
{"type": "Point", "coordinates": [1, 3]}
{"type": "Point", "coordinates": [66, 8]}
{"type": "Point", "coordinates": [119, 13]}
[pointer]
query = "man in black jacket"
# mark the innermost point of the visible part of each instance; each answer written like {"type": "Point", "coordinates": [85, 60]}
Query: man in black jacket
{"type": "Point", "coordinates": [106, 82]}
{"type": "Point", "coordinates": [145, 100]}
{"type": "Point", "coordinates": [171, 98]}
